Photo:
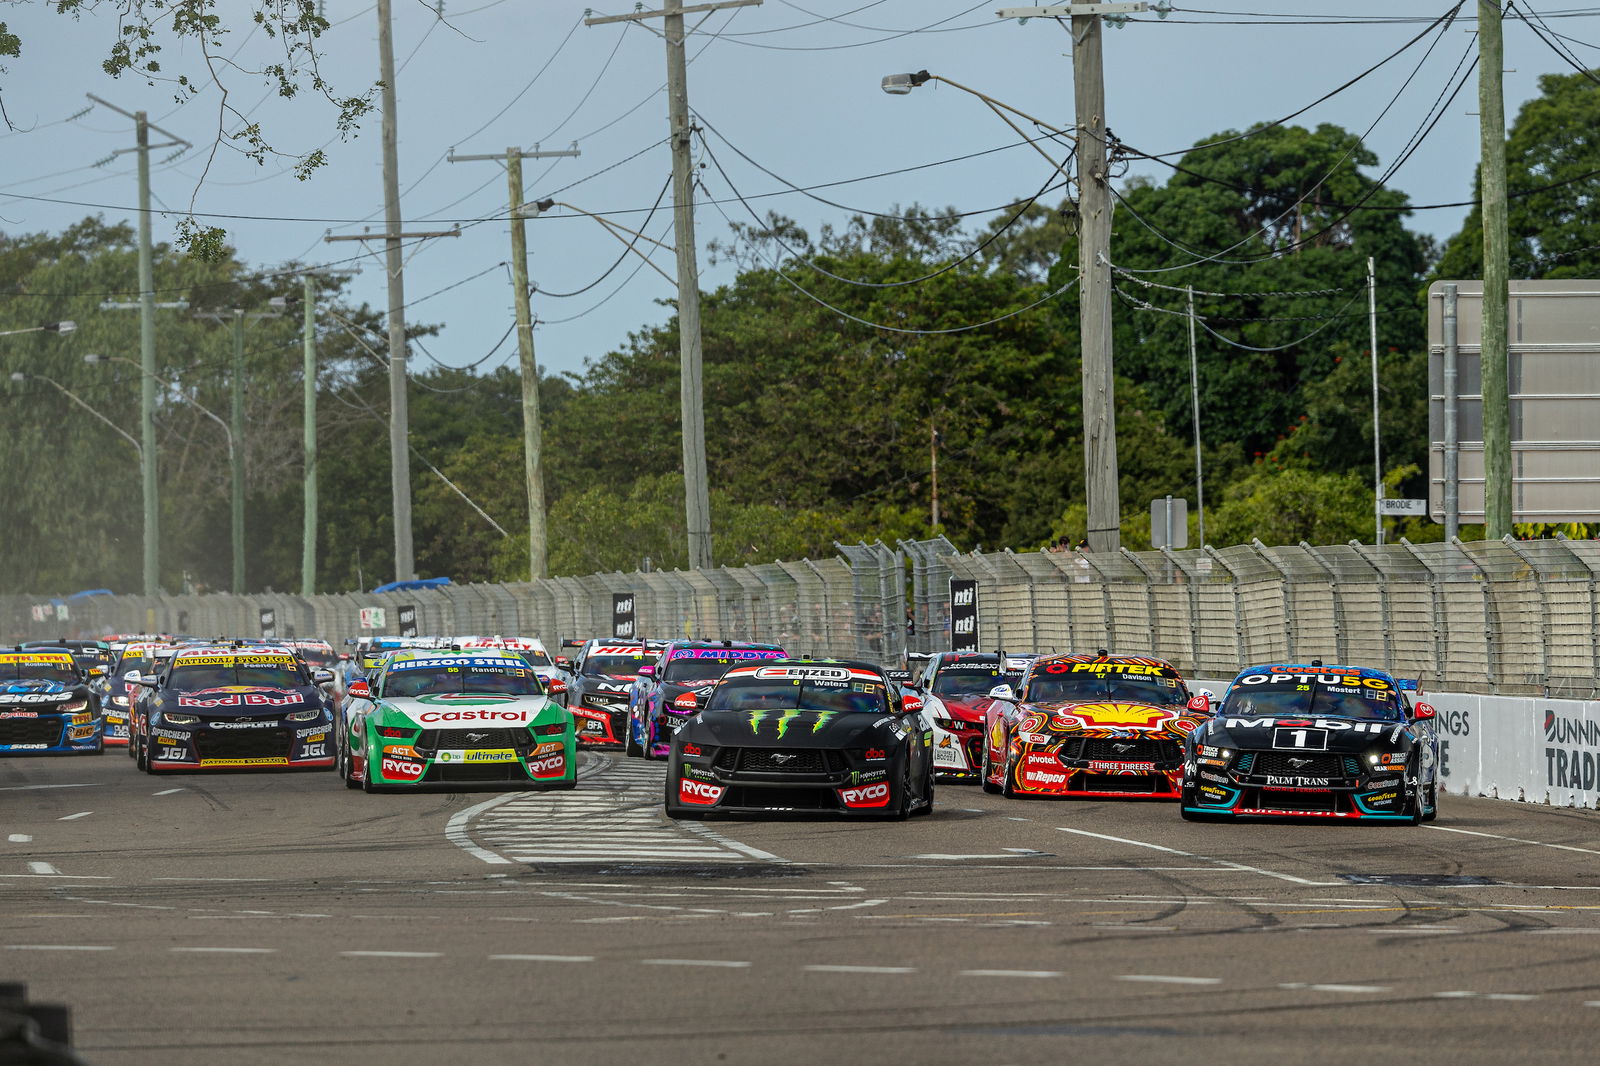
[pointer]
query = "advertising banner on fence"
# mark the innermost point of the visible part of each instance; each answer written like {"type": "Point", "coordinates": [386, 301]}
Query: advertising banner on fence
{"type": "Point", "coordinates": [622, 615]}
{"type": "Point", "coordinates": [963, 615]}
{"type": "Point", "coordinates": [407, 619]}
{"type": "Point", "coordinates": [1519, 747]}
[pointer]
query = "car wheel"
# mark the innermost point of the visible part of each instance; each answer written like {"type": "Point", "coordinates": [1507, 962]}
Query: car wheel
{"type": "Point", "coordinates": [988, 772]}
{"type": "Point", "coordinates": [141, 757]}
{"type": "Point", "coordinates": [366, 779]}
{"type": "Point", "coordinates": [347, 766]}
{"type": "Point", "coordinates": [927, 797]}
{"type": "Point", "coordinates": [1007, 788]}
{"type": "Point", "coordinates": [630, 747]}
{"type": "Point", "coordinates": [677, 815]}
{"type": "Point", "coordinates": [1432, 812]}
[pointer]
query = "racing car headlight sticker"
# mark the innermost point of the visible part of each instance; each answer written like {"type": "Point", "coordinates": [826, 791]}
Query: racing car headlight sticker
{"type": "Point", "coordinates": [180, 719]}
{"type": "Point", "coordinates": [304, 716]}
{"type": "Point", "coordinates": [120, 701]}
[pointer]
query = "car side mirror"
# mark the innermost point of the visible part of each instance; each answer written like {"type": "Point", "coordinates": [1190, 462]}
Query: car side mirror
{"type": "Point", "coordinates": [1004, 693]}
{"type": "Point", "coordinates": [360, 690]}
{"type": "Point", "coordinates": [563, 662]}
{"type": "Point", "coordinates": [321, 677]}
{"type": "Point", "coordinates": [1201, 703]}
{"type": "Point", "coordinates": [147, 682]}
{"type": "Point", "coordinates": [910, 703]}
{"type": "Point", "coordinates": [688, 701]}
{"type": "Point", "coordinates": [647, 671]}
{"type": "Point", "coordinates": [1423, 711]}
{"type": "Point", "coordinates": [556, 686]}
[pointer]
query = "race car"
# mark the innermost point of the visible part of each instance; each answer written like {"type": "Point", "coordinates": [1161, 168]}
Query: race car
{"type": "Point", "coordinates": [802, 736]}
{"type": "Point", "coordinates": [447, 716]}
{"type": "Point", "coordinates": [531, 649]}
{"type": "Point", "coordinates": [673, 687]}
{"type": "Point", "coordinates": [46, 705]}
{"type": "Point", "coordinates": [602, 680]}
{"type": "Point", "coordinates": [1090, 725]}
{"type": "Point", "coordinates": [233, 706]}
{"type": "Point", "coordinates": [1295, 740]}
{"type": "Point", "coordinates": [955, 687]}
{"type": "Point", "coordinates": [122, 693]}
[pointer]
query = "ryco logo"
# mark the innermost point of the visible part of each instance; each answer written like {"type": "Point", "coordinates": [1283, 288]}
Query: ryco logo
{"type": "Point", "coordinates": [699, 793]}
{"type": "Point", "coordinates": [866, 796]}
{"type": "Point", "coordinates": [549, 766]}
{"type": "Point", "coordinates": [402, 769]}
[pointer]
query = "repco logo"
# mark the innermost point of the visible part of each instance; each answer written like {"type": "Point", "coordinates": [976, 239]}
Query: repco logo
{"type": "Point", "coordinates": [866, 796]}
{"type": "Point", "coordinates": [698, 792]}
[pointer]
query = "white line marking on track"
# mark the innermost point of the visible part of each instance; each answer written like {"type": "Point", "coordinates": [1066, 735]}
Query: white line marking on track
{"type": "Point", "coordinates": [59, 947]}
{"type": "Point", "coordinates": [725, 963]}
{"type": "Point", "coordinates": [393, 954]}
{"type": "Point", "coordinates": [545, 958]}
{"type": "Point", "coordinates": [42, 868]}
{"type": "Point", "coordinates": [225, 951]}
{"type": "Point", "coordinates": [1206, 858]}
{"type": "Point", "coordinates": [1010, 973]}
{"type": "Point", "coordinates": [861, 969]}
{"type": "Point", "coordinates": [1513, 840]}
{"type": "Point", "coordinates": [20, 838]}
{"type": "Point", "coordinates": [31, 788]}
{"type": "Point", "coordinates": [75, 817]}
{"type": "Point", "coordinates": [455, 830]}
{"type": "Point", "coordinates": [1353, 989]}
{"type": "Point", "coordinates": [1009, 853]}
{"type": "Point", "coordinates": [169, 792]}
{"type": "Point", "coordinates": [1164, 979]}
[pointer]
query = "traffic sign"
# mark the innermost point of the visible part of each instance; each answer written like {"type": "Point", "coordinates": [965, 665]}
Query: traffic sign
{"type": "Point", "coordinates": [1394, 507]}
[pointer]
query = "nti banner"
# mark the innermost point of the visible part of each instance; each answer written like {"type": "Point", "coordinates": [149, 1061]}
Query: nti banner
{"type": "Point", "coordinates": [269, 623]}
{"type": "Point", "coordinates": [407, 617]}
{"type": "Point", "coordinates": [963, 615]}
{"type": "Point", "coordinates": [622, 615]}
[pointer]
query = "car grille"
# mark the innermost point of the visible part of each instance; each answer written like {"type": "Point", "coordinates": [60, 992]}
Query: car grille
{"type": "Point", "coordinates": [1299, 801]}
{"type": "Point", "coordinates": [245, 744]}
{"type": "Point", "coordinates": [30, 731]}
{"type": "Point", "coordinates": [779, 761]}
{"type": "Point", "coordinates": [1114, 750]}
{"type": "Point", "coordinates": [1144, 784]}
{"type": "Point", "coordinates": [804, 799]}
{"type": "Point", "coordinates": [444, 773]}
{"type": "Point", "coordinates": [1279, 762]}
{"type": "Point", "coordinates": [434, 739]}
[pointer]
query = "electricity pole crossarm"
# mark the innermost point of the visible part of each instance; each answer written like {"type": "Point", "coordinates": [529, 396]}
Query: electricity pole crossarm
{"type": "Point", "coordinates": [528, 364]}
{"type": "Point", "coordinates": [696, 490]}
{"type": "Point", "coordinates": [1050, 11]}
{"type": "Point", "coordinates": [368, 236]}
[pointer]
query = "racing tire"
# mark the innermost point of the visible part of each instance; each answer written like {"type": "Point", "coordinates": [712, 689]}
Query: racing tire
{"type": "Point", "coordinates": [630, 749]}
{"type": "Point", "coordinates": [1007, 789]}
{"type": "Point", "coordinates": [667, 808]}
{"type": "Point", "coordinates": [1432, 812]}
{"type": "Point", "coordinates": [141, 757]}
{"type": "Point", "coordinates": [366, 781]}
{"type": "Point", "coordinates": [903, 812]}
{"type": "Point", "coordinates": [347, 768]}
{"type": "Point", "coordinates": [987, 772]}
{"type": "Point", "coordinates": [927, 798]}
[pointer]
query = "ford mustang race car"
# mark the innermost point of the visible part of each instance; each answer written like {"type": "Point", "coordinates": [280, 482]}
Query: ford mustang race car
{"type": "Point", "coordinates": [1293, 740]}
{"type": "Point", "coordinates": [531, 649]}
{"type": "Point", "coordinates": [602, 681]}
{"type": "Point", "coordinates": [673, 687]}
{"type": "Point", "coordinates": [802, 736]}
{"type": "Point", "coordinates": [1090, 725]}
{"type": "Point", "coordinates": [955, 687]}
{"type": "Point", "coordinates": [46, 705]}
{"type": "Point", "coordinates": [447, 716]}
{"type": "Point", "coordinates": [233, 706]}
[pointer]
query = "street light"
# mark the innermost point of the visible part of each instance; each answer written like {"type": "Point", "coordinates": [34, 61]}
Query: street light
{"type": "Point", "coordinates": [902, 84]}
{"type": "Point", "coordinates": [18, 375]}
{"type": "Point", "coordinates": [238, 487]}
{"type": "Point", "coordinates": [535, 208]}
{"type": "Point", "coordinates": [64, 326]}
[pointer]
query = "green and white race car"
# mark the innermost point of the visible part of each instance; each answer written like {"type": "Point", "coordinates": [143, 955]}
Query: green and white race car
{"type": "Point", "coordinates": [444, 716]}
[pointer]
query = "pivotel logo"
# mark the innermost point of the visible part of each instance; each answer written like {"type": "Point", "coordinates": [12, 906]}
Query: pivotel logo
{"type": "Point", "coordinates": [1043, 771]}
{"type": "Point", "coordinates": [699, 793]}
{"type": "Point", "coordinates": [402, 769]}
{"type": "Point", "coordinates": [866, 795]}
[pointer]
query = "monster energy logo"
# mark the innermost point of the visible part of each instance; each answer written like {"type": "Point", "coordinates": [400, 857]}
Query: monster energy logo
{"type": "Point", "coordinates": [823, 719]}
{"type": "Point", "coordinates": [756, 718]}
{"type": "Point", "coordinates": [783, 721]}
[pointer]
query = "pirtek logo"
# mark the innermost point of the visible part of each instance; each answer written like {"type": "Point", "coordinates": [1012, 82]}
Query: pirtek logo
{"type": "Point", "coordinates": [865, 796]}
{"type": "Point", "coordinates": [698, 792]}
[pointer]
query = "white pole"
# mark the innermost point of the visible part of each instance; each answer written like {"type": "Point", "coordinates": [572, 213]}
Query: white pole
{"type": "Point", "coordinates": [1377, 450]}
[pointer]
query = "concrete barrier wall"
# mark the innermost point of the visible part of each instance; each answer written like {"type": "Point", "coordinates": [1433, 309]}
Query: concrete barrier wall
{"type": "Point", "coordinates": [1520, 748]}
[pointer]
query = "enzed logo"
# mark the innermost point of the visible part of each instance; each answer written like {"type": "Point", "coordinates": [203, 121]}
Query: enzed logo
{"type": "Point", "coordinates": [866, 796]}
{"type": "Point", "coordinates": [698, 792]}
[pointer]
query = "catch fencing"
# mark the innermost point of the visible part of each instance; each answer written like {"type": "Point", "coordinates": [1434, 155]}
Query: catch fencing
{"type": "Point", "coordinates": [1510, 617]}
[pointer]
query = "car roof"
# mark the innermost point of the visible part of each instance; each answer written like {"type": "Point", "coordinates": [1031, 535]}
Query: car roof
{"type": "Point", "coordinates": [1316, 668]}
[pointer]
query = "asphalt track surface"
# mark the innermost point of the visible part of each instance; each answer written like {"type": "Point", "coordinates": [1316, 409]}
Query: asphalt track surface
{"type": "Point", "coordinates": [270, 918]}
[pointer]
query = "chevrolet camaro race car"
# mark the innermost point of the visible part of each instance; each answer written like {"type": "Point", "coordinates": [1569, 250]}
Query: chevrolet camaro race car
{"type": "Point", "coordinates": [955, 687]}
{"type": "Point", "coordinates": [138, 658]}
{"type": "Point", "coordinates": [676, 684]}
{"type": "Point", "coordinates": [46, 706]}
{"type": "Point", "coordinates": [437, 716]}
{"type": "Point", "coordinates": [802, 736]}
{"type": "Point", "coordinates": [229, 707]}
{"type": "Point", "coordinates": [602, 682]}
{"type": "Point", "coordinates": [1293, 740]}
{"type": "Point", "coordinates": [1090, 725]}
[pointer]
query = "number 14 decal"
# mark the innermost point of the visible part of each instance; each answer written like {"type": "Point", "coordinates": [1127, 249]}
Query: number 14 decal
{"type": "Point", "coordinates": [1303, 739]}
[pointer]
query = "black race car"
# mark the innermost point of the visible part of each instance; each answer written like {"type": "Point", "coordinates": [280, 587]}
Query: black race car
{"type": "Point", "coordinates": [1294, 740]}
{"type": "Point", "coordinates": [803, 736]}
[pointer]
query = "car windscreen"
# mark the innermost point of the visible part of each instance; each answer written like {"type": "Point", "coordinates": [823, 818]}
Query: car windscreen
{"type": "Point", "coordinates": [319, 658]}
{"type": "Point", "coordinates": [143, 664]}
{"type": "Point", "coordinates": [752, 693]}
{"type": "Point", "coordinates": [1320, 695]}
{"type": "Point", "coordinates": [709, 664]}
{"type": "Point", "coordinates": [489, 674]}
{"type": "Point", "coordinates": [37, 666]}
{"type": "Point", "coordinates": [1105, 682]}
{"type": "Point", "coordinates": [203, 672]}
{"type": "Point", "coordinates": [959, 679]}
{"type": "Point", "coordinates": [615, 665]}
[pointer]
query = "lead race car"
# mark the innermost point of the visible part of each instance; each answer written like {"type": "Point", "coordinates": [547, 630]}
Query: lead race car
{"type": "Point", "coordinates": [233, 706]}
{"type": "Point", "coordinates": [1296, 740]}
{"type": "Point", "coordinates": [1090, 725]}
{"type": "Point", "coordinates": [447, 716]}
{"type": "Point", "coordinates": [802, 736]}
{"type": "Point", "coordinates": [46, 705]}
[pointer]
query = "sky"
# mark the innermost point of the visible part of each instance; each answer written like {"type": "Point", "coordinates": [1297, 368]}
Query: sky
{"type": "Point", "coordinates": [787, 94]}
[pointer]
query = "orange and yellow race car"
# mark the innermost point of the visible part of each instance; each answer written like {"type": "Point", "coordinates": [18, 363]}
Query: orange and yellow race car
{"type": "Point", "coordinates": [1090, 725]}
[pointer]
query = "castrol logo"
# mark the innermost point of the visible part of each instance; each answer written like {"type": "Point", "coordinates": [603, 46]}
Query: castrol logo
{"type": "Point", "coordinates": [435, 717]}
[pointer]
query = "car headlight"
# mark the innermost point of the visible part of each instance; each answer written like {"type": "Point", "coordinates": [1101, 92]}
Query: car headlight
{"type": "Point", "coordinates": [181, 719]}
{"type": "Point", "coordinates": [75, 707]}
{"type": "Point", "coordinates": [303, 716]}
{"type": "Point", "coordinates": [119, 701]}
